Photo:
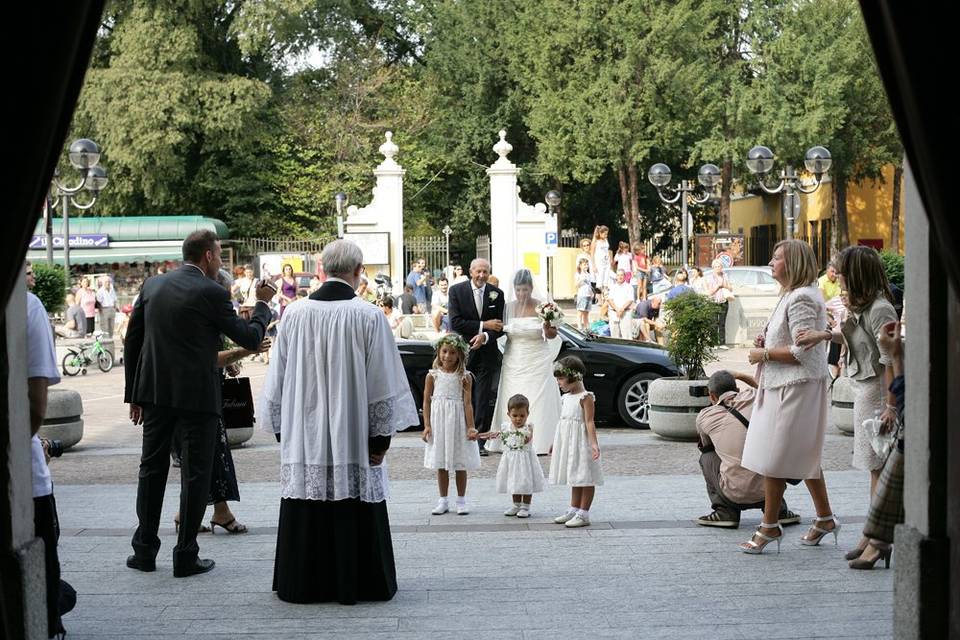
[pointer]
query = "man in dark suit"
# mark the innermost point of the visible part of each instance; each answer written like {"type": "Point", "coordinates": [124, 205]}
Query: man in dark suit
{"type": "Point", "coordinates": [172, 384]}
{"type": "Point", "coordinates": [476, 313]}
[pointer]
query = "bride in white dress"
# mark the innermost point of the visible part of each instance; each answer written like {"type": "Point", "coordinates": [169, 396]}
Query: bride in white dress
{"type": "Point", "coordinates": [531, 348]}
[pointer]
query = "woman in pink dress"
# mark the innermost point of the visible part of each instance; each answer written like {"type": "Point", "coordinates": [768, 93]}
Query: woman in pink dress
{"type": "Point", "coordinates": [87, 298]}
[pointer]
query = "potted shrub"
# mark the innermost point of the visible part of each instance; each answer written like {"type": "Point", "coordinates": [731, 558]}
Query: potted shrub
{"type": "Point", "coordinates": [50, 287]}
{"type": "Point", "coordinates": [691, 321]}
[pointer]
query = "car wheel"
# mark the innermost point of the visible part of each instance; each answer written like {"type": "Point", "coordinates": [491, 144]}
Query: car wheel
{"type": "Point", "coordinates": [633, 403]}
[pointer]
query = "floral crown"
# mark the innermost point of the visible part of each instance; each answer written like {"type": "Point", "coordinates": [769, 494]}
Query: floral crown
{"type": "Point", "coordinates": [454, 340]}
{"type": "Point", "coordinates": [566, 372]}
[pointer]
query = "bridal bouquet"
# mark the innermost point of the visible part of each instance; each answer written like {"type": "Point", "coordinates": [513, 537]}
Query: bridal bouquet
{"type": "Point", "coordinates": [514, 439]}
{"type": "Point", "coordinates": [550, 313]}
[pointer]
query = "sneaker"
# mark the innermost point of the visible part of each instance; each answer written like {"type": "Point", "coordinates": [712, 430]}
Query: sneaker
{"type": "Point", "coordinates": [512, 511]}
{"type": "Point", "coordinates": [577, 521]}
{"type": "Point", "coordinates": [789, 517]}
{"type": "Point", "coordinates": [717, 519]}
{"type": "Point", "coordinates": [462, 509]}
{"type": "Point", "coordinates": [523, 512]}
{"type": "Point", "coordinates": [563, 519]}
{"type": "Point", "coordinates": [441, 508]}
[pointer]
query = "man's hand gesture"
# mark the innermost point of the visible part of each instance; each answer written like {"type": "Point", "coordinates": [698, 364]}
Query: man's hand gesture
{"type": "Point", "coordinates": [265, 291]}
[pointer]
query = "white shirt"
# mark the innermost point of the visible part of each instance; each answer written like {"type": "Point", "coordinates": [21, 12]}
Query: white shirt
{"type": "Point", "coordinates": [335, 380]}
{"type": "Point", "coordinates": [478, 304]}
{"type": "Point", "coordinates": [621, 294]}
{"type": "Point", "coordinates": [107, 297]}
{"type": "Point", "coordinates": [41, 363]}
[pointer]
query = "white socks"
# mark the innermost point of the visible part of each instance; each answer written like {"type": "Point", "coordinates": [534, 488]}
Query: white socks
{"type": "Point", "coordinates": [461, 500]}
{"type": "Point", "coordinates": [572, 510]}
{"type": "Point", "coordinates": [584, 513]}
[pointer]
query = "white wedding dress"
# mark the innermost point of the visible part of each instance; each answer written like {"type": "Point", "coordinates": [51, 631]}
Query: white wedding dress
{"type": "Point", "coordinates": [528, 369]}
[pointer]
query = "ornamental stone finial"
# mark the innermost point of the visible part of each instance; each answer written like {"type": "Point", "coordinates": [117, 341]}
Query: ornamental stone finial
{"type": "Point", "coordinates": [388, 149]}
{"type": "Point", "coordinates": [503, 147]}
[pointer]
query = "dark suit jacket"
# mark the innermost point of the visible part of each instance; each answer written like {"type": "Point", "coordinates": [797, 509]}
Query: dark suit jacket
{"type": "Point", "coordinates": [170, 353]}
{"type": "Point", "coordinates": [463, 316]}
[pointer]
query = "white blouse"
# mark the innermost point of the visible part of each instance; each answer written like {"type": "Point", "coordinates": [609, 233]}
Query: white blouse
{"type": "Point", "coordinates": [335, 380]}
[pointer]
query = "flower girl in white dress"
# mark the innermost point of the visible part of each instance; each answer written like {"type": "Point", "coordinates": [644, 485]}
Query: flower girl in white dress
{"type": "Point", "coordinates": [519, 473]}
{"type": "Point", "coordinates": [575, 452]}
{"type": "Point", "coordinates": [448, 421]}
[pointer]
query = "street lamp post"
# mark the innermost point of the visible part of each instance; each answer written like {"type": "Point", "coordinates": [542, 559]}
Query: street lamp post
{"type": "Point", "coordinates": [446, 236]}
{"type": "Point", "coordinates": [84, 155]}
{"type": "Point", "coordinates": [817, 161]}
{"type": "Point", "coordinates": [341, 200]}
{"type": "Point", "coordinates": [552, 198]}
{"type": "Point", "coordinates": [708, 176]}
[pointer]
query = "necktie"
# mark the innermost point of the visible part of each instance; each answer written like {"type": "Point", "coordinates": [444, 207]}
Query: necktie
{"type": "Point", "coordinates": [478, 300]}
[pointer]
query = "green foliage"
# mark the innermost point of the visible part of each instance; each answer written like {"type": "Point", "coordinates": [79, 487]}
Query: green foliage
{"type": "Point", "coordinates": [51, 285]}
{"type": "Point", "coordinates": [692, 325]}
{"type": "Point", "coordinates": [205, 106]}
{"type": "Point", "coordinates": [893, 265]}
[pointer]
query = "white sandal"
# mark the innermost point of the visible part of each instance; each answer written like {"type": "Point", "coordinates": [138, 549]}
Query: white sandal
{"type": "Point", "coordinates": [756, 548]}
{"type": "Point", "coordinates": [821, 532]}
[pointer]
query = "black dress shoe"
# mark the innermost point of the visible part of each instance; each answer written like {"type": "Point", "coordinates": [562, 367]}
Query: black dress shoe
{"type": "Point", "coordinates": [141, 564]}
{"type": "Point", "coordinates": [200, 566]}
{"type": "Point", "coordinates": [484, 452]}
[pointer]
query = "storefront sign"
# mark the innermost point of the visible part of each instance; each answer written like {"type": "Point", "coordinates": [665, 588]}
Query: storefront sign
{"type": "Point", "coordinates": [80, 241]}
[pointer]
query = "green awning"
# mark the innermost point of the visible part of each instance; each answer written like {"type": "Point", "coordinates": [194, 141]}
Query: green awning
{"type": "Point", "coordinates": [108, 256]}
{"type": "Point", "coordinates": [139, 228]}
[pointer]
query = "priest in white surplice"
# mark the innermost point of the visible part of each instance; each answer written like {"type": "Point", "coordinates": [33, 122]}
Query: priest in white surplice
{"type": "Point", "coordinates": [335, 394]}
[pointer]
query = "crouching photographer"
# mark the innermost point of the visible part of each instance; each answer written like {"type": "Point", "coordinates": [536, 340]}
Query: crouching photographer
{"type": "Point", "coordinates": [722, 428]}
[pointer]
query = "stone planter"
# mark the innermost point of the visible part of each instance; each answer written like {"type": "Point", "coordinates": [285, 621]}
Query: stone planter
{"type": "Point", "coordinates": [64, 419]}
{"type": "Point", "coordinates": [841, 405]}
{"type": "Point", "coordinates": [673, 410]}
{"type": "Point", "coordinates": [236, 437]}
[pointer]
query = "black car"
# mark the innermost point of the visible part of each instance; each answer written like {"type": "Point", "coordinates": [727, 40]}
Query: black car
{"type": "Point", "coordinates": [618, 372]}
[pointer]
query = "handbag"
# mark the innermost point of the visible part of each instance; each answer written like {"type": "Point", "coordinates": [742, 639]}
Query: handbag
{"type": "Point", "coordinates": [237, 404]}
{"type": "Point", "coordinates": [879, 442]}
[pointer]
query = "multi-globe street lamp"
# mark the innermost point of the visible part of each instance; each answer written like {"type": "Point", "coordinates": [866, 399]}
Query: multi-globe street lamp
{"type": "Point", "coordinates": [817, 161]}
{"type": "Point", "coordinates": [709, 177]}
{"type": "Point", "coordinates": [84, 155]}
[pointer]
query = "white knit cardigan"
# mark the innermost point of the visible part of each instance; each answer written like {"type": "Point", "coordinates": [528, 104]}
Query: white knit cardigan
{"type": "Point", "coordinates": [800, 309]}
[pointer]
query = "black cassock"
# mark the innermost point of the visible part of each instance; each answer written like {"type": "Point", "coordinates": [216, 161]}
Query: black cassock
{"type": "Point", "coordinates": [335, 551]}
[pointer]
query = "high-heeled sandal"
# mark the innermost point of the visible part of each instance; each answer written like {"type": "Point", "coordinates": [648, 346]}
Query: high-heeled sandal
{"type": "Point", "coordinates": [230, 527]}
{"type": "Point", "coordinates": [201, 529]}
{"type": "Point", "coordinates": [821, 532]}
{"type": "Point", "coordinates": [885, 550]}
{"type": "Point", "coordinates": [756, 548]}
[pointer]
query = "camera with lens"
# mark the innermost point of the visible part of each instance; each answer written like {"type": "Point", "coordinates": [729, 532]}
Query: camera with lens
{"type": "Point", "coordinates": [55, 448]}
{"type": "Point", "coordinates": [699, 391]}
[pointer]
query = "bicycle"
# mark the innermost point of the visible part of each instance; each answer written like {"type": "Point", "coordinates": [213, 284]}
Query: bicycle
{"type": "Point", "coordinates": [77, 359]}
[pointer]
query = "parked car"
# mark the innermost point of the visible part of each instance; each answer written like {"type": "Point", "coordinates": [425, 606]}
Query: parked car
{"type": "Point", "coordinates": [618, 372]}
{"type": "Point", "coordinates": [757, 294]}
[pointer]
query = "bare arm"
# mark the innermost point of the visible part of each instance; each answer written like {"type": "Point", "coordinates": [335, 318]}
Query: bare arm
{"type": "Point", "coordinates": [427, 398]}
{"type": "Point", "coordinates": [746, 378]}
{"type": "Point", "coordinates": [588, 413]}
{"type": "Point", "coordinates": [468, 407]}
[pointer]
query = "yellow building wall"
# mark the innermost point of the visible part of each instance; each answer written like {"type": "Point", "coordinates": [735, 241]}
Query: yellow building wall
{"type": "Point", "coordinates": [869, 211]}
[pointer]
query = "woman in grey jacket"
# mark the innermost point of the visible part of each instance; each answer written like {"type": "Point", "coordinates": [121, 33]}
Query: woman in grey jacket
{"type": "Point", "coordinates": [866, 294]}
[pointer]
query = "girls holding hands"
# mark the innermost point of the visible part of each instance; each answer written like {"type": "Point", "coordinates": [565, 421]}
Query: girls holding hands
{"type": "Point", "coordinates": [519, 472]}
{"type": "Point", "coordinates": [448, 427]}
{"type": "Point", "coordinates": [575, 452]}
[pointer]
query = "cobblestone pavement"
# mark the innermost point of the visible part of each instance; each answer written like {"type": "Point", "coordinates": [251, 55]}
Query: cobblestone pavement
{"type": "Point", "coordinates": [643, 570]}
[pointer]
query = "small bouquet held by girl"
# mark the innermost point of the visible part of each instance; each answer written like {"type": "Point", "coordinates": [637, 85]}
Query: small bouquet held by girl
{"type": "Point", "coordinates": [519, 473]}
